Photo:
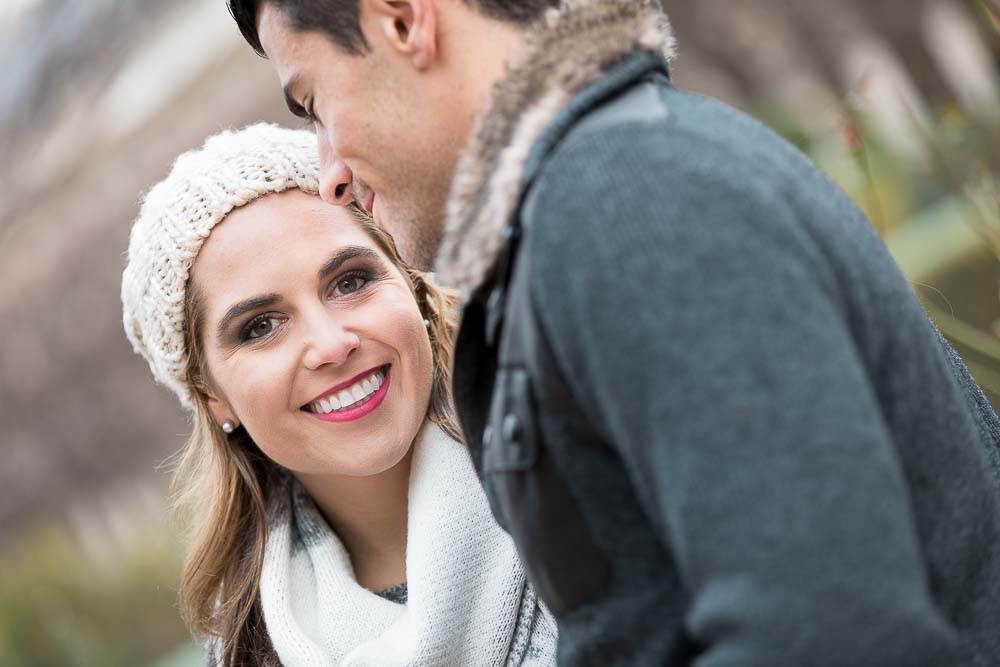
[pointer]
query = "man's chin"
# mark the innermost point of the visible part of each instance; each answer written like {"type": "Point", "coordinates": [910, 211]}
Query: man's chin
{"type": "Point", "coordinates": [417, 242]}
{"type": "Point", "coordinates": [417, 255]}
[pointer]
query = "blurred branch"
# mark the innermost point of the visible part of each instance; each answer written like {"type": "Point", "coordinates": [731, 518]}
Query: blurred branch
{"type": "Point", "coordinates": [992, 10]}
{"type": "Point", "coordinates": [977, 184]}
{"type": "Point", "coordinates": [851, 117]}
{"type": "Point", "coordinates": [986, 202]}
{"type": "Point", "coordinates": [971, 338]}
{"type": "Point", "coordinates": [857, 147]}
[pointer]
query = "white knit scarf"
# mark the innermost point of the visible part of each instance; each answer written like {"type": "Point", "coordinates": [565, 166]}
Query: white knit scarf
{"type": "Point", "coordinates": [469, 603]}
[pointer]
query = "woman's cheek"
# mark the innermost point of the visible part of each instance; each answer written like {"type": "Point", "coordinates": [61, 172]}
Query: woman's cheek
{"type": "Point", "coordinates": [262, 390]}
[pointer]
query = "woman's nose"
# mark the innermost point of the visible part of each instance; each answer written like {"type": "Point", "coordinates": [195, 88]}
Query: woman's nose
{"type": "Point", "coordinates": [329, 343]}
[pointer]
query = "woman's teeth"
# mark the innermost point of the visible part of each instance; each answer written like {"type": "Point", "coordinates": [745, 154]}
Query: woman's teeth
{"type": "Point", "coordinates": [359, 392]}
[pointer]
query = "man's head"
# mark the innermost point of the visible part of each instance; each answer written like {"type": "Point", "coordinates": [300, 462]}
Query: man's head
{"type": "Point", "coordinates": [393, 88]}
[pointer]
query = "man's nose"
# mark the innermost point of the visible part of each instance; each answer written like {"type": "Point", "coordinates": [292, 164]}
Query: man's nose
{"type": "Point", "coordinates": [328, 342]}
{"type": "Point", "coordinates": [335, 184]}
{"type": "Point", "coordinates": [335, 177]}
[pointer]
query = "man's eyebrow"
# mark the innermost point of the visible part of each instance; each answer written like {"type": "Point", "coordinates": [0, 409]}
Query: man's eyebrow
{"type": "Point", "coordinates": [293, 106]}
{"type": "Point", "coordinates": [343, 255]}
{"type": "Point", "coordinates": [245, 306]}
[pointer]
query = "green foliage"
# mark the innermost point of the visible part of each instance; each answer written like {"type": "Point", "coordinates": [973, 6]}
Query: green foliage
{"type": "Point", "coordinates": [60, 605]}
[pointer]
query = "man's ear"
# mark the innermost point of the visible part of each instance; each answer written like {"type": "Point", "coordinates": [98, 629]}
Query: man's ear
{"type": "Point", "coordinates": [409, 27]}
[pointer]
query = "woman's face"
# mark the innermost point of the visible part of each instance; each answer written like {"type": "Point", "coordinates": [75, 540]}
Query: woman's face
{"type": "Point", "coordinates": [313, 339]}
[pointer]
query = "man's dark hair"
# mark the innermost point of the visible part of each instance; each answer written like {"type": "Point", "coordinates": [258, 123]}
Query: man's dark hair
{"type": "Point", "coordinates": [338, 19]}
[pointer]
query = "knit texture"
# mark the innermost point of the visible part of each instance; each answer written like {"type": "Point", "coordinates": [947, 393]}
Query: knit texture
{"type": "Point", "coordinates": [469, 603]}
{"type": "Point", "coordinates": [232, 169]}
{"type": "Point", "coordinates": [397, 593]}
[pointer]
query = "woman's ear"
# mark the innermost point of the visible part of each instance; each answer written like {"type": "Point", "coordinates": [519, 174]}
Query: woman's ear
{"type": "Point", "coordinates": [408, 26]}
{"type": "Point", "coordinates": [222, 414]}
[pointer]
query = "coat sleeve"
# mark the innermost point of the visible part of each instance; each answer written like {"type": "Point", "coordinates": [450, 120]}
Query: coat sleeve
{"type": "Point", "coordinates": [703, 334]}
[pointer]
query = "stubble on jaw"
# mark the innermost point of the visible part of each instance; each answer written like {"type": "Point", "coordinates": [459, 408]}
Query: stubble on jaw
{"type": "Point", "coordinates": [418, 239]}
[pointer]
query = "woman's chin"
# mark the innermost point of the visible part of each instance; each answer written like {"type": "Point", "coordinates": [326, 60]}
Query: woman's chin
{"type": "Point", "coordinates": [365, 458]}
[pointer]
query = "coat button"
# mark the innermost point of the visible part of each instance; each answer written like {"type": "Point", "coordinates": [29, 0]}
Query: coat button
{"type": "Point", "coordinates": [511, 430]}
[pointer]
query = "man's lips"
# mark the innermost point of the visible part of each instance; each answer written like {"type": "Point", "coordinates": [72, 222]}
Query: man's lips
{"type": "Point", "coordinates": [345, 385]}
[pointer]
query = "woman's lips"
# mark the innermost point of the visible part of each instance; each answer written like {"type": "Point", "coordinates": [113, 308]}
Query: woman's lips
{"type": "Point", "coordinates": [368, 406]}
{"type": "Point", "coordinates": [348, 383]}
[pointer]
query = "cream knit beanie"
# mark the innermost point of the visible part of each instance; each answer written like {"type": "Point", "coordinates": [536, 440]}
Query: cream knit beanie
{"type": "Point", "coordinates": [232, 169]}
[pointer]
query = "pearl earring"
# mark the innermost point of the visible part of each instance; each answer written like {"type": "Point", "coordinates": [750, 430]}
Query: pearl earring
{"type": "Point", "coordinates": [228, 427]}
{"type": "Point", "coordinates": [427, 324]}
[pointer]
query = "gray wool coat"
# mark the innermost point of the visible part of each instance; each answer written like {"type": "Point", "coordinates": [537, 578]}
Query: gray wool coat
{"type": "Point", "coordinates": [701, 396]}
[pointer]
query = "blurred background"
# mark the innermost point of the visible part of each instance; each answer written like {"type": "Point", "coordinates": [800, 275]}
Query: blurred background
{"type": "Point", "coordinates": [897, 100]}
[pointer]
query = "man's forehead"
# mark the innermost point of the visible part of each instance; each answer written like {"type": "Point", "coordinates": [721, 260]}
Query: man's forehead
{"type": "Point", "coordinates": [291, 51]}
{"type": "Point", "coordinates": [274, 37]}
{"type": "Point", "coordinates": [274, 33]}
{"type": "Point", "coordinates": [281, 41]}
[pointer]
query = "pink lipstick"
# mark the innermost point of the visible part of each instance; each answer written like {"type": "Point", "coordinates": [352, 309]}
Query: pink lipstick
{"type": "Point", "coordinates": [356, 410]}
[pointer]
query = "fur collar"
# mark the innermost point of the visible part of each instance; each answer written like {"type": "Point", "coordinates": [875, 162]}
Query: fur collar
{"type": "Point", "coordinates": [570, 48]}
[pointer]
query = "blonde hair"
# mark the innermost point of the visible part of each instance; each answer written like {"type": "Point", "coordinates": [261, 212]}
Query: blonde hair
{"type": "Point", "coordinates": [222, 482]}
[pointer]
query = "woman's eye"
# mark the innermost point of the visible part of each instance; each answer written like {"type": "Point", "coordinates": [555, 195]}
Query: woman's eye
{"type": "Point", "coordinates": [349, 284]}
{"type": "Point", "coordinates": [260, 328]}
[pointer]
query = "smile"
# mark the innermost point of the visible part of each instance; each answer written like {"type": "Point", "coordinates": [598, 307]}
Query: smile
{"type": "Point", "coordinates": [353, 401]}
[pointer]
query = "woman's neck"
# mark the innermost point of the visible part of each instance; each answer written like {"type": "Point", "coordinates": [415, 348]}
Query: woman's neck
{"type": "Point", "coordinates": [369, 515]}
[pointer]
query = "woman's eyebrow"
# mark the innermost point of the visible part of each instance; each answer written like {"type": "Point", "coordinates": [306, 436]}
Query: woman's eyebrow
{"type": "Point", "coordinates": [245, 306]}
{"type": "Point", "coordinates": [343, 255]}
